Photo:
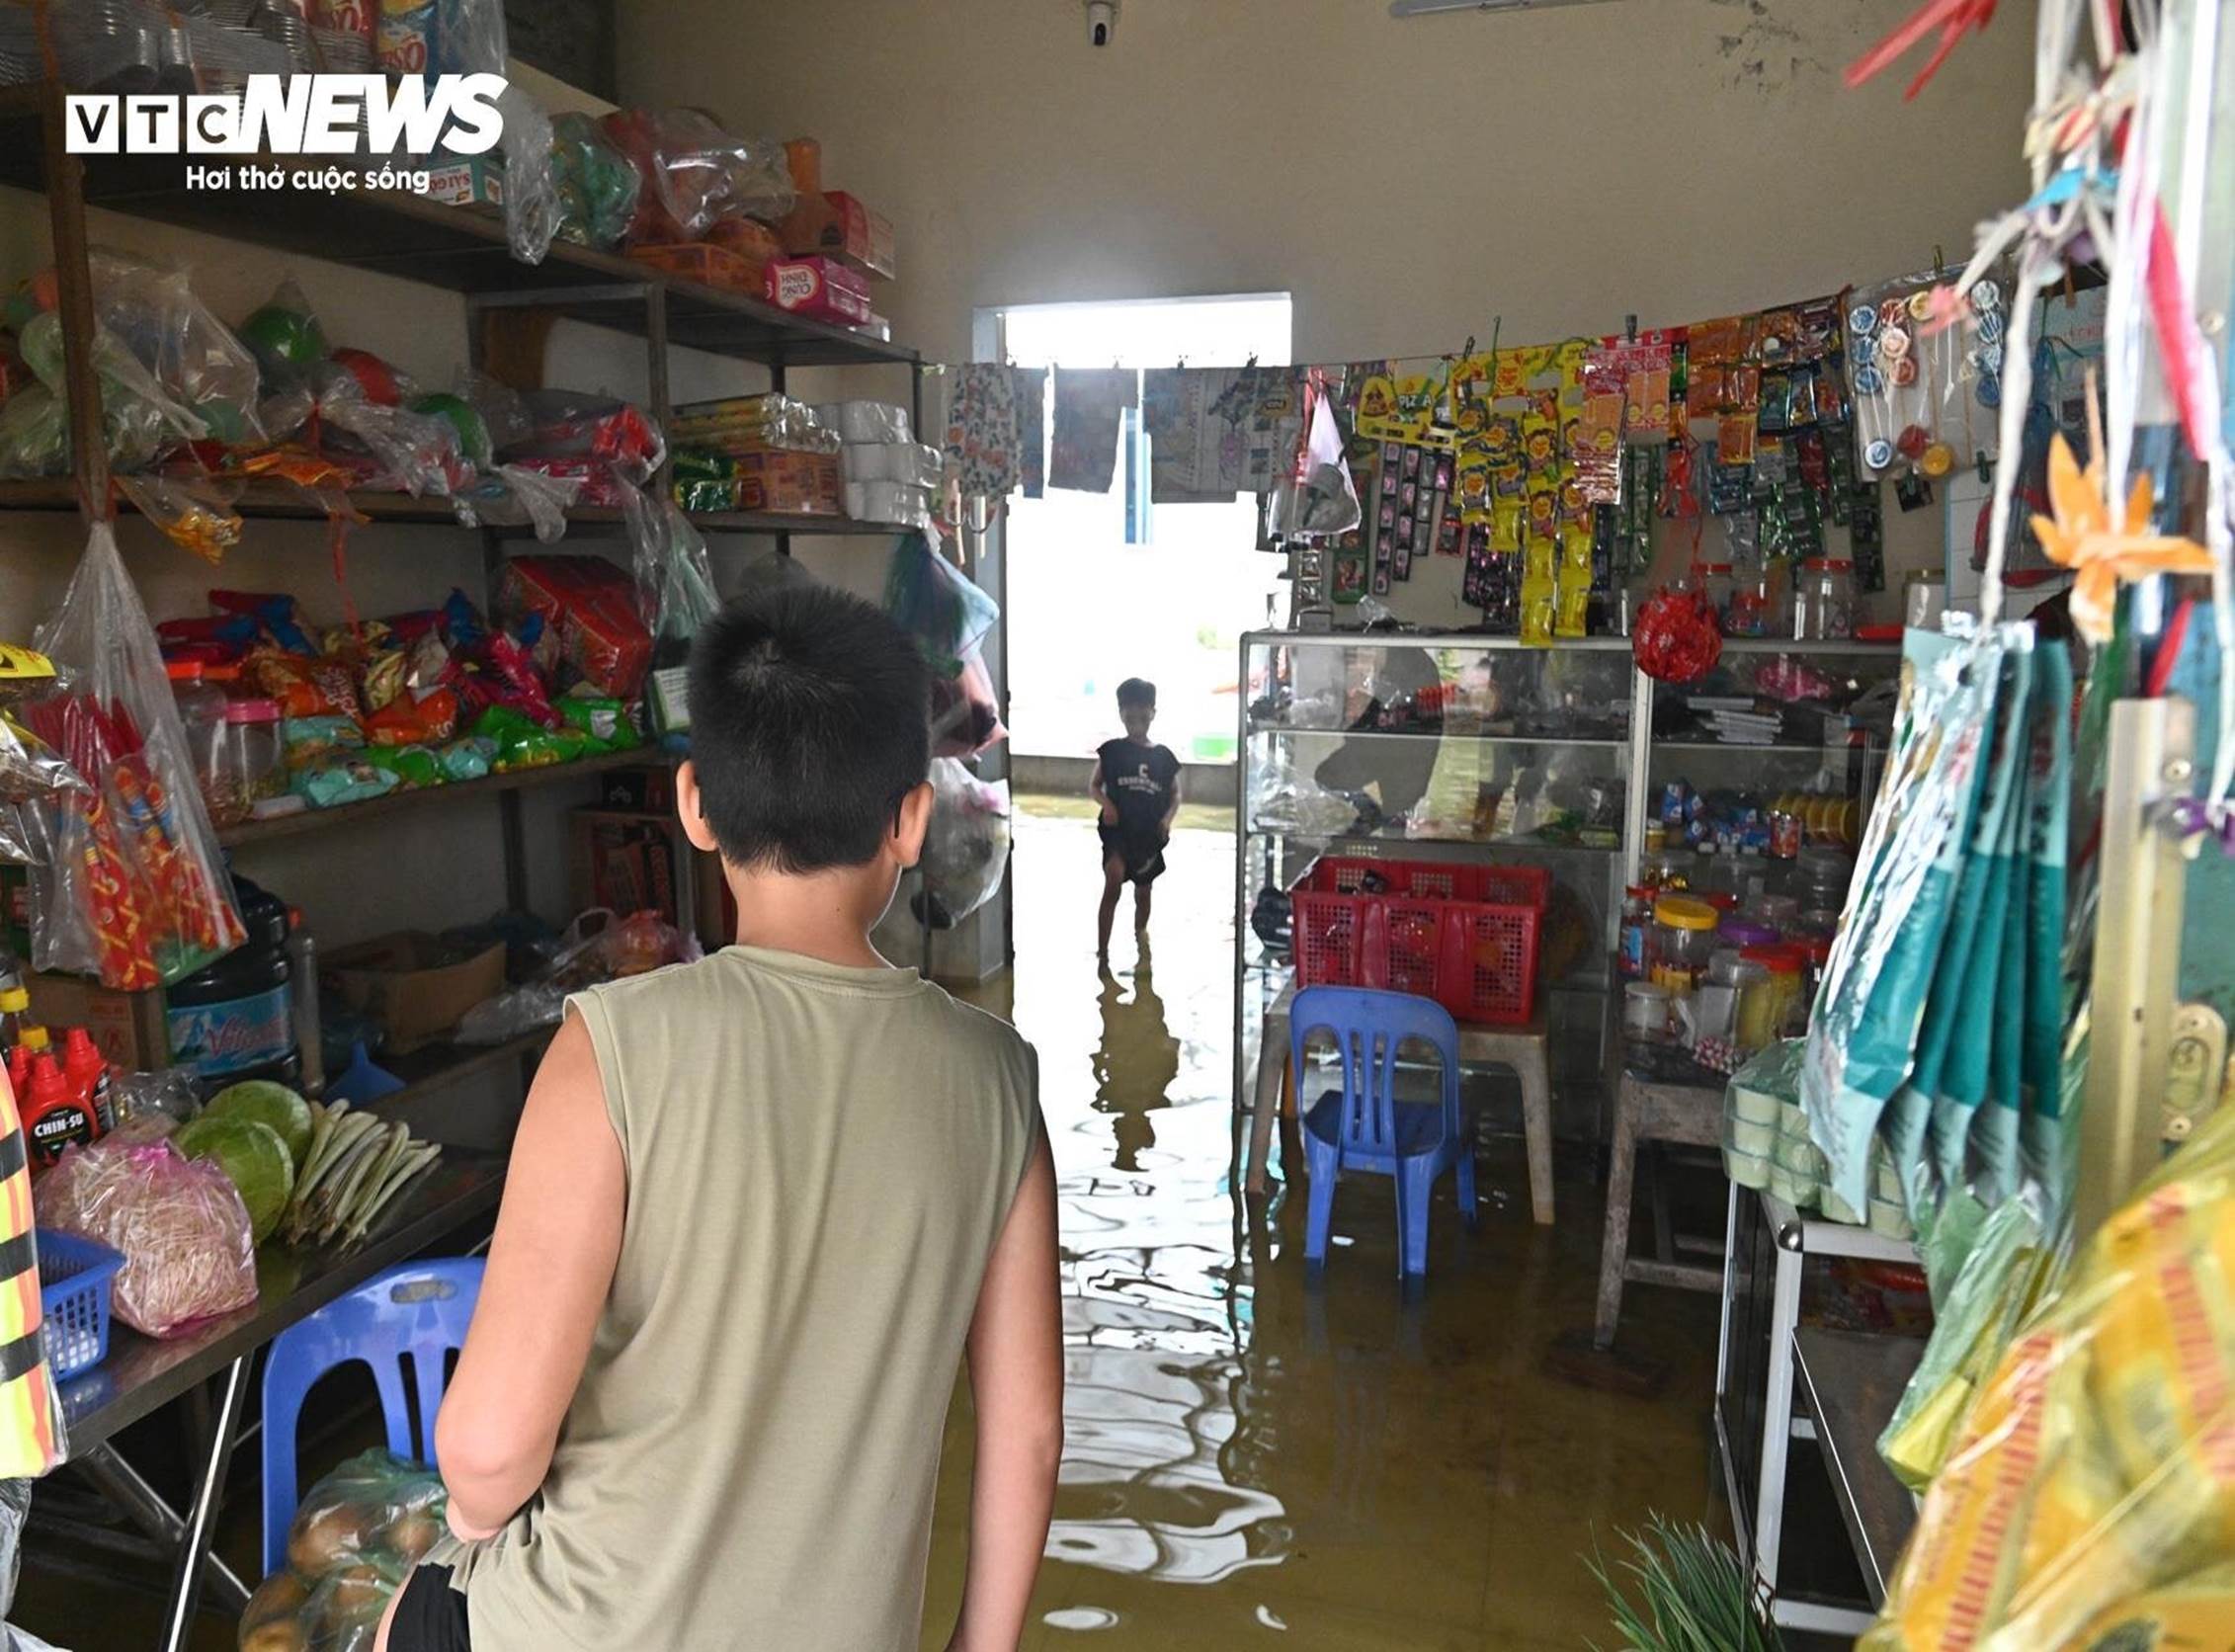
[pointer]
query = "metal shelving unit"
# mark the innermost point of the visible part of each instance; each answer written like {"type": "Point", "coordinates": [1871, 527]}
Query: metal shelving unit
{"type": "Point", "coordinates": [458, 250]}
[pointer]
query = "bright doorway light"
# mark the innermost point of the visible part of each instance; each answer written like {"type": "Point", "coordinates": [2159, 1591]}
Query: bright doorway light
{"type": "Point", "coordinates": [1106, 585]}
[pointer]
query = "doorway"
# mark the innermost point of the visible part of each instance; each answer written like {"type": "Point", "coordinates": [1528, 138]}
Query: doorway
{"type": "Point", "coordinates": [1106, 585]}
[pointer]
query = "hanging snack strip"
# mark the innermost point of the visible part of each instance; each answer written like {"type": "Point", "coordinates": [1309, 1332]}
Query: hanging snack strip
{"type": "Point", "coordinates": [1926, 372]}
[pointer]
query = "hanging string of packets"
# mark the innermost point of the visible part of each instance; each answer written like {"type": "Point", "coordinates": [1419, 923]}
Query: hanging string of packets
{"type": "Point", "coordinates": [1544, 467]}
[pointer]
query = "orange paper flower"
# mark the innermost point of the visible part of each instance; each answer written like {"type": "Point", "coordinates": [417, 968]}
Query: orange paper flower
{"type": "Point", "coordinates": [2101, 552]}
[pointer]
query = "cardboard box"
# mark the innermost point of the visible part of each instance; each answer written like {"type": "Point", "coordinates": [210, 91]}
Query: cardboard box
{"type": "Point", "coordinates": [476, 181]}
{"type": "Point", "coordinates": [796, 484]}
{"type": "Point", "coordinates": [820, 288]}
{"type": "Point", "coordinates": [861, 237]}
{"type": "Point", "coordinates": [128, 1027]}
{"type": "Point", "coordinates": [646, 791]}
{"type": "Point", "coordinates": [633, 860]}
{"type": "Point", "coordinates": [410, 983]}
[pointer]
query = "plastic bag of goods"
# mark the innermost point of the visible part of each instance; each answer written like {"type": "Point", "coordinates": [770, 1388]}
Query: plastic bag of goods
{"type": "Point", "coordinates": [137, 869]}
{"type": "Point", "coordinates": [2091, 1490]}
{"type": "Point", "coordinates": [693, 173]}
{"type": "Point", "coordinates": [940, 606]}
{"type": "Point", "coordinates": [598, 186]}
{"type": "Point", "coordinates": [967, 847]}
{"type": "Point", "coordinates": [356, 1537]}
{"type": "Point", "coordinates": [177, 1222]}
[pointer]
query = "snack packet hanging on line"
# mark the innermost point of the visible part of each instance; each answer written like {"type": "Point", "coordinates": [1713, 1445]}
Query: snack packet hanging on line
{"type": "Point", "coordinates": [1863, 1034]}
{"type": "Point", "coordinates": [1958, 1110]}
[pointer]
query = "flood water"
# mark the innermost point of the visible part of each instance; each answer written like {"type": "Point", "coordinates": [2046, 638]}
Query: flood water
{"type": "Point", "coordinates": [1255, 1458]}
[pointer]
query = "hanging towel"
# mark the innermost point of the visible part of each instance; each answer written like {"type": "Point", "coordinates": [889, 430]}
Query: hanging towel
{"type": "Point", "coordinates": [1031, 395]}
{"type": "Point", "coordinates": [983, 443]}
{"type": "Point", "coordinates": [1090, 405]}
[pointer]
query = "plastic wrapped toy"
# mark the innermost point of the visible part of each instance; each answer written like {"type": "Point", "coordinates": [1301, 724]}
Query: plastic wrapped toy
{"type": "Point", "coordinates": [137, 871]}
{"type": "Point", "coordinates": [693, 173]}
{"type": "Point", "coordinates": [597, 185]}
{"type": "Point", "coordinates": [178, 1223]}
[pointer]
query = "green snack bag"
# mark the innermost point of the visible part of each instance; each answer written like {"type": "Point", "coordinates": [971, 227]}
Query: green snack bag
{"type": "Point", "coordinates": [414, 766]}
{"type": "Point", "coordinates": [602, 718]}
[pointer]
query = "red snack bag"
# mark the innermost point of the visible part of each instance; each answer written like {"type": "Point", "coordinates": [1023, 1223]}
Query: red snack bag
{"type": "Point", "coordinates": [590, 606]}
{"type": "Point", "coordinates": [305, 686]}
{"type": "Point", "coordinates": [408, 721]}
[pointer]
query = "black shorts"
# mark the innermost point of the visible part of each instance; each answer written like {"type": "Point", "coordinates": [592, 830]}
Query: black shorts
{"type": "Point", "coordinates": [431, 1617]}
{"type": "Point", "coordinates": [1139, 850]}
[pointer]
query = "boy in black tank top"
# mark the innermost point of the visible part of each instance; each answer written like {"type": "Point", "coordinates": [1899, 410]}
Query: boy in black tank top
{"type": "Point", "coordinates": [1136, 782]}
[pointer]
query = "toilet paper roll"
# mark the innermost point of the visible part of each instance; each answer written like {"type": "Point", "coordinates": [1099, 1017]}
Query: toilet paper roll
{"type": "Point", "coordinates": [865, 421]}
{"type": "Point", "coordinates": [894, 461]}
{"type": "Point", "coordinates": [898, 503]}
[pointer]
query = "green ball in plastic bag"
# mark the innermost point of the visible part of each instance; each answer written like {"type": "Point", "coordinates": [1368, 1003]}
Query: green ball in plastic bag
{"type": "Point", "coordinates": [472, 430]}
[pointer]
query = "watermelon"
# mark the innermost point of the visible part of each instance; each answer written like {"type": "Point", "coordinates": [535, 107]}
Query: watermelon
{"type": "Point", "coordinates": [270, 1103]}
{"type": "Point", "coordinates": [254, 1159]}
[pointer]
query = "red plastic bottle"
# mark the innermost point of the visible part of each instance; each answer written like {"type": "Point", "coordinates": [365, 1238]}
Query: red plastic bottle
{"type": "Point", "coordinates": [88, 1073]}
{"type": "Point", "coordinates": [54, 1117]}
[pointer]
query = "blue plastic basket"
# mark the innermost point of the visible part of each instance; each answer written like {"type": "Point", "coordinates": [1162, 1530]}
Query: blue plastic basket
{"type": "Point", "coordinates": [73, 1297]}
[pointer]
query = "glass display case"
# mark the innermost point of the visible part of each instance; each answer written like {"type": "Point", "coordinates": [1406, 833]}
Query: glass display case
{"type": "Point", "coordinates": [1453, 749]}
{"type": "Point", "coordinates": [1474, 750]}
{"type": "Point", "coordinates": [1760, 774]}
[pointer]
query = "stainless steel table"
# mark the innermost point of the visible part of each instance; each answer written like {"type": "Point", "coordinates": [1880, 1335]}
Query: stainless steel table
{"type": "Point", "coordinates": [1851, 1381]}
{"type": "Point", "coordinates": [142, 1375]}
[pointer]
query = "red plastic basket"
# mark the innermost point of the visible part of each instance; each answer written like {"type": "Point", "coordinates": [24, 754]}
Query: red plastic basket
{"type": "Point", "coordinates": [1465, 936]}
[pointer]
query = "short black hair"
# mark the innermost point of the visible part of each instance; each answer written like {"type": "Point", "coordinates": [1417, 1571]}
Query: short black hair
{"type": "Point", "coordinates": [1138, 691]}
{"type": "Point", "coordinates": [811, 720]}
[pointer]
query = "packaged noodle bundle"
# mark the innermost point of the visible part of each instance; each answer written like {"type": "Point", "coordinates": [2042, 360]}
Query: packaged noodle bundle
{"type": "Point", "coordinates": [2093, 1481]}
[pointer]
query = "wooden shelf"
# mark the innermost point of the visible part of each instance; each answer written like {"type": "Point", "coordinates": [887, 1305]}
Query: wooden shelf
{"type": "Point", "coordinates": [278, 502]}
{"type": "Point", "coordinates": [306, 821]}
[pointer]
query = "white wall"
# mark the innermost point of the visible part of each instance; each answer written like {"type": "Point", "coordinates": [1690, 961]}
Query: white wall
{"type": "Point", "coordinates": [1411, 183]}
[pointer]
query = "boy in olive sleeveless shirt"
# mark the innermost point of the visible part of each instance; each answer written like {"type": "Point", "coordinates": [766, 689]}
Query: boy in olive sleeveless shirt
{"type": "Point", "coordinates": [758, 1209]}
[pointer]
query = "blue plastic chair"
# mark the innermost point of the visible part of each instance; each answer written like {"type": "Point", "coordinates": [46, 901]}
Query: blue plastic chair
{"type": "Point", "coordinates": [419, 1310]}
{"type": "Point", "coordinates": [1364, 1126]}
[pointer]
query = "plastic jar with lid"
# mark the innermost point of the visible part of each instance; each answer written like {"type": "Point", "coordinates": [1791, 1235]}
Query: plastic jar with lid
{"type": "Point", "coordinates": [1822, 874]}
{"type": "Point", "coordinates": [1787, 1008]}
{"type": "Point", "coordinates": [1823, 608]}
{"type": "Point", "coordinates": [1781, 913]}
{"type": "Point", "coordinates": [202, 714]}
{"type": "Point", "coordinates": [1755, 1025]}
{"type": "Point", "coordinates": [1741, 930]}
{"type": "Point", "coordinates": [250, 765]}
{"type": "Point", "coordinates": [1752, 607]}
{"type": "Point", "coordinates": [1684, 939]}
{"type": "Point", "coordinates": [1646, 1010]}
{"type": "Point", "coordinates": [1715, 586]}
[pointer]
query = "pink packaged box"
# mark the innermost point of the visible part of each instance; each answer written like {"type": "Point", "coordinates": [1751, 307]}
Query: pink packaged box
{"type": "Point", "coordinates": [819, 288]}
